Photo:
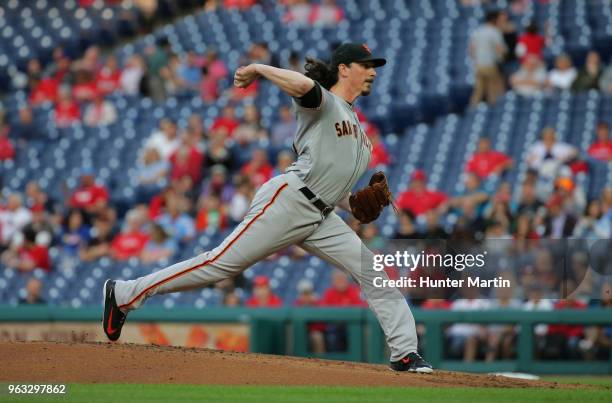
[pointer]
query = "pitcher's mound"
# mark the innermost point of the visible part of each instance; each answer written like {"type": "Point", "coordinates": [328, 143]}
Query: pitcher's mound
{"type": "Point", "coordinates": [131, 363]}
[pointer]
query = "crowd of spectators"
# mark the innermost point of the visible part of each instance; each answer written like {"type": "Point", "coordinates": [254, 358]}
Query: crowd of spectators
{"type": "Point", "coordinates": [502, 58]}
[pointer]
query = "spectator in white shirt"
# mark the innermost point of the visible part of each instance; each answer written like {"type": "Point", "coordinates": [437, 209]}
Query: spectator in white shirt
{"type": "Point", "coordinates": [548, 154]}
{"type": "Point", "coordinates": [165, 140]}
{"type": "Point", "coordinates": [530, 79]}
{"type": "Point", "coordinates": [131, 76]}
{"type": "Point", "coordinates": [13, 218]}
{"type": "Point", "coordinates": [465, 338]}
{"type": "Point", "coordinates": [100, 112]}
{"type": "Point", "coordinates": [563, 75]}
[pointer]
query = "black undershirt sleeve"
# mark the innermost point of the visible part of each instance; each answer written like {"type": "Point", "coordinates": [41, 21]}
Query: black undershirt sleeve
{"type": "Point", "coordinates": [312, 99]}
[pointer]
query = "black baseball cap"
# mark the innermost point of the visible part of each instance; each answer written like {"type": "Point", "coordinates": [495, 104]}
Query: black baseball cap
{"type": "Point", "coordinates": [348, 53]}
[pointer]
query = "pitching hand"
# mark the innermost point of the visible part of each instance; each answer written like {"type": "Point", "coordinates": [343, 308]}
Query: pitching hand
{"type": "Point", "coordinates": [245, 75]}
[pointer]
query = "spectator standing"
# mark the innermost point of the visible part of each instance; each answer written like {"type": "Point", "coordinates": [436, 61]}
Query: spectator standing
{"type": "Point", "coordinates": [531, 42]}
{"type": "Point", "coordinates": [157, 58]}
{"type": "Point", "coordinates": [487, 49]}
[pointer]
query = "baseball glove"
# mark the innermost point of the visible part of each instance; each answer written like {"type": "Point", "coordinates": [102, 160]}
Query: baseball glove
{"type": "Point", "coordinates": [367, 203]}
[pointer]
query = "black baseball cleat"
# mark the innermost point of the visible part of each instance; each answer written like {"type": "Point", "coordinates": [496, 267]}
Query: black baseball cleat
{"type": "Point", "coordinates": [113, 318]}
{"type": "Point", "coordinates": [413, 362]}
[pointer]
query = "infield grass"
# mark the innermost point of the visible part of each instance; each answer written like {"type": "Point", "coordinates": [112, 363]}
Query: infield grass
{"type": "Point", "coordinates": [117, 393]}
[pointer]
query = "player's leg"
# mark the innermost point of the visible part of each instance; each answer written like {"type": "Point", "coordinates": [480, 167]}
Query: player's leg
{"type": "Point", "coordinates": [338, 244]}
{"type": "Point", "coordinates": [270, 225]}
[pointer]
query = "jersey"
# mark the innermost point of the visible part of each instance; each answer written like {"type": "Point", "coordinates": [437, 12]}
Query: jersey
{"type": "Point", "coordinates": [333, 149]}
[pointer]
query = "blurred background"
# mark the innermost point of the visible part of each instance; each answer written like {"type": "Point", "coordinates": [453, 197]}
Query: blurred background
{"type": "Point", "coordinates": [124, 148]}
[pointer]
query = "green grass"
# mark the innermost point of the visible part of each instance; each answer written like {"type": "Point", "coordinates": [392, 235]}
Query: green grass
{"type": "Point", "coordinates": [587, 380]}
{"type": "Point", "coordinates": [117, 393]}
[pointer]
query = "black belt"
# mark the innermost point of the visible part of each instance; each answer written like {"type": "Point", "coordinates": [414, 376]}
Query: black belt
{"type": "Point", "coordinates": [318, 203]}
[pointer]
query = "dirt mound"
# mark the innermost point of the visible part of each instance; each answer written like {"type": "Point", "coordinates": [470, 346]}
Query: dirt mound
{"type": "Point", "coordinates": [131, 363]}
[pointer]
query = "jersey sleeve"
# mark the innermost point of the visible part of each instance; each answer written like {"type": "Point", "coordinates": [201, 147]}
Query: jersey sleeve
{"type": "Point", "coordinates": [314, 101]}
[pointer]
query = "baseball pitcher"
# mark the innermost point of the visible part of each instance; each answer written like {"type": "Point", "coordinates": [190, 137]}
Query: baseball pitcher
{"type": "Point", "coordinates": [297, 207]}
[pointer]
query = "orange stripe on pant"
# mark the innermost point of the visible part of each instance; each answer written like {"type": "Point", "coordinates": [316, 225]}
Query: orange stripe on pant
{"type": "Point", "coordinates": [140, 295]}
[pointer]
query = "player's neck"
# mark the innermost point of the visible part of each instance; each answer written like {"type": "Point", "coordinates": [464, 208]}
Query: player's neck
{"type": "Point", "coordinates": [345, 92]}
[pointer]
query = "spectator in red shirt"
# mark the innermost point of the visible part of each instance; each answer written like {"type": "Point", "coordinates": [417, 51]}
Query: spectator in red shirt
{"type": "Point", "coordinates": [44, 90]}
{"type": "Point", "coordinates": [226, 121]}
{"type": "Point", "coordinates": [212, 214]}
{"type": "Point", "coordinates": [29, 255]}
{"type": "Point", "coordinates": [485, 161]}
{"type": "Point", "coordinates": [601, 149]}
{"type": "Point", "coordinates": [380, 156]}
{"type": "Point", "coordinates": [107, 79]}
{"type": "Point", "coordinates": [418, 199]}
{"type": "Point", "coordinates": [89, 196]}
{"type": "Point", "coordinates": [7, 150]}
{"type": "Point", "coordinates": [186, 161]}
{"type": "Point", "coordinates": [565, 338]}
{"type": "Point", "coordinates": [530, 43]}
{"type": "Point", "coordinates": [258, 169]}
{"type": "Point", "coordinates": [67, 111]}
{"type": "Point", "coordinates": [213, 71]}
{"type": "Point", "coordinates": [241, 4]}
{"type": "Point", "coordinates": [263, 297]}
{"type": "Point", "coordinates": [341, 292]}
{"type": "Point", "coordinates": [131, 241]}
{"type": "Point", "coordinates": [85, 88]}
{"type": "Point", "coordinates": [240, 94]}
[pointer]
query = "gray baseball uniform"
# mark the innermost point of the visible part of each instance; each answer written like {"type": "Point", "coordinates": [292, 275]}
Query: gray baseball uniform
{"type": "Point", "coordinates": [333, 153]}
